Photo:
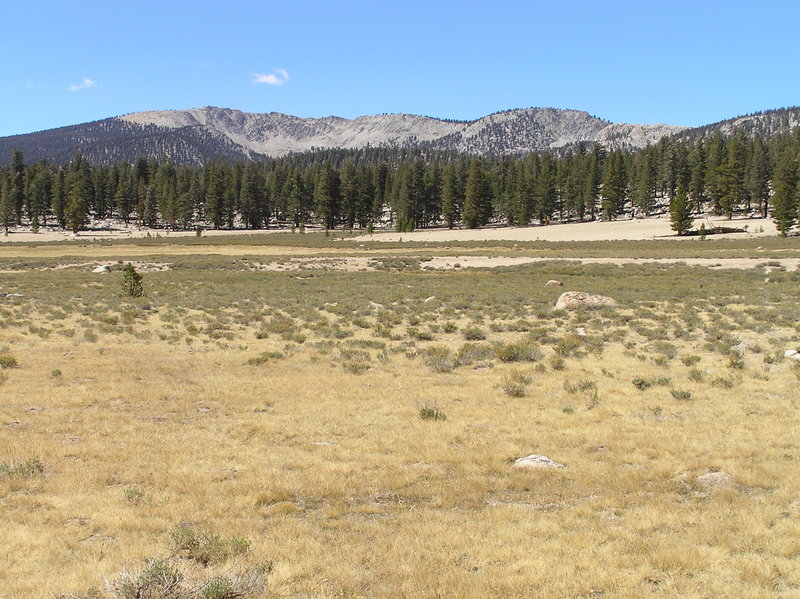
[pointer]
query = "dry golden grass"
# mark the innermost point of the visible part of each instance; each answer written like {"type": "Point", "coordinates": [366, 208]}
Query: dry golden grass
{"type": "Point", "coordinates": [335, 477]}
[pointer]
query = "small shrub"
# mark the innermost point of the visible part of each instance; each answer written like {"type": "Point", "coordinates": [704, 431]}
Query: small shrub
{"type": "Point", "coordinates": [470, 353]}
{"type": "Point", "coordinates": [696, 375]}
{"type": "Point", "coordinates": [439, 359]}
{"type": "Point", "coordinates": [557, 362]}
{"type": "Point", "coordinates": [420, 334]}
{"type": "Point", "coordinates": [568, 345]}
{"type": "Point", "coordinates": [581, 385]}
{"type": "Point", "coordinates": [55, 373]}
{"type": "Point", "coordinates": [431, 412]}
{"type": "Point", "coordinates": [735, 362]}
{"type": "Point", "coordinates": [8, 361]}
{"type": "Point", "coordinates": [681, 395]}
{"type": "Point", "coordinates": [722, 382]}
{"type": "Point", "coordinates": [264, 357]}
{"type": "Point", "coordinates": [206, 547]}
{"type": "Point", "coordinates": [136, 496]}
{"type": "Point", "coordinates": [665, 348]}
{"type": "Point", "coordinates": [513, 389]}
{"type": "Point", "coordinates": [641, 384]}
{"type": "Point", "coordinates": [474, 334]}
{"type": "Point", "coordinates": [355, 367]}
{"type": "Point", "coordinates": [24, 469]}
{"type": "Point", "coordinates": [163, 579]}
{"type": "Point", "coordinates": [518, 351]}
{"type": "Point", "coordinates": [690, 360]}
{"type": "Point", "coordinates": [514, 383]}
{"type": "Point", "coordinates": [449, 327]}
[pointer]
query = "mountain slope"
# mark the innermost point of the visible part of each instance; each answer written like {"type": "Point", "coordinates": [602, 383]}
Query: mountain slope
{"type": "Point", "coordinates": [513, 131]}
{"type": "Point", "coordinates": [766, 124]}
{"type": "Point", "coordinates": [113, 140]}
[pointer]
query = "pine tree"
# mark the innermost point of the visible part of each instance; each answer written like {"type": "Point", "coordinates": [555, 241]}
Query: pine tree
{"type": "Point", "coordinates": [730, 177]}
{"type": "Point", "coordinates": [697, 174]}
{"type": "Point", "coordinates": [784, 182]}
{"type": "Point", "coordinates": [348, 192]}
{"type": "Point", "coordinates": [7, 208]}
{"type": "Point", "coordinates": [451, 205]}
{"type": "Point", "coordinates": [680, 212]}
{"type": "Point", "coordinates": [131, 282]}
{"type": "Point", "coordinates": [614, 186]}
{"type": "Point", "coordinates": [645, 191]}
{"type": "Point", "coordinates": [591, 187]}
{"type": "Point", "coordinates": [758, 176]}
{"type": "Point", "coordinates": [545, 189]}
{"type": "Point", "coordinates": [79, 191]}
{"type": "Point", "coordinates": [17, 183]}
{"type": "Point", "coordinates": [477, 198]}
{"type": "Point", "coordinates": [326, 196]}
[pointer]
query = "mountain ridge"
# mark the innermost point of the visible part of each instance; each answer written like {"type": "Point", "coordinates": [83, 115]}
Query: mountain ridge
{"type": "Point", "coordinates": [512, 131]}
{"type": "Point", "coordinates": [199, 135]}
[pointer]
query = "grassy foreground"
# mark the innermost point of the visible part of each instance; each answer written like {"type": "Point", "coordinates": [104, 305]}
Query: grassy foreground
{"type": "Point", "coordinates": [352, 434]}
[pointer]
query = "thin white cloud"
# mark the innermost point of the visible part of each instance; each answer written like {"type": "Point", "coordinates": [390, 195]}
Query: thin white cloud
{"type": "Point", "coordinates": [85, 84]}
{"type": "Point", "coordinates": [277, 77]}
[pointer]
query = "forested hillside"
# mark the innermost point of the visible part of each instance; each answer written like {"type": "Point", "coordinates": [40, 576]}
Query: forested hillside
{"type": "Point", "coordinates": [114, 140]}
{"type": "Point", "coordinates": [413, 187]}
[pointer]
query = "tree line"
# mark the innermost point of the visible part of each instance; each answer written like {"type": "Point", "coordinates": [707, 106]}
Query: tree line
{"type": "Point", "coordinates": [408, 189]}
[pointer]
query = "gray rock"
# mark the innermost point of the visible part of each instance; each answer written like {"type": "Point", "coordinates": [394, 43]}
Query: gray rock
{"type": "Point", "coordinates": [575, 299]}
{"type": "Point", "coordinates": [536, 461]}
{"type": "Point", "coordinates": [716, 480]}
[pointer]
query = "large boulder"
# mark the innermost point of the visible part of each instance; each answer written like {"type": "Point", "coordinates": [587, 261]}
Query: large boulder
{"type": "Point", "coordinates": [576, 299]}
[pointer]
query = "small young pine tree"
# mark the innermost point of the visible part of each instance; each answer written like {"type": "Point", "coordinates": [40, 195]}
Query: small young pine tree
{"type": "Point", "coordinates": [132, 282]}
{"type": "Point", "coordinates": [680, 212]}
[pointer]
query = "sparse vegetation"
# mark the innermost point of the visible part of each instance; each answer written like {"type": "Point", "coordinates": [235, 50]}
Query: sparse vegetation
{"type": "Point", "coordinates": [431, 412]}
{"type": "Point", "coordinates": [394, 445]}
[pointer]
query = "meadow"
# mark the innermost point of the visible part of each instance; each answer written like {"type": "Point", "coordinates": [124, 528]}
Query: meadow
{"type": "Point", "coordinates": [260, 425]}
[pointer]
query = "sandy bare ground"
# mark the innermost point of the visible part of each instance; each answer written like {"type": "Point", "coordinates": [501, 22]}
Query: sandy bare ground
{"type": "Point", "coordinates": [636, 229]}
{"type": "Point", "coordinates": [119, 232]}
{"type": "Point", "coordinates": [366, 263]}
{"type": "Point", "coordinates": [450, 262]}
{"type": "Point", "coordinates": [362, 263]}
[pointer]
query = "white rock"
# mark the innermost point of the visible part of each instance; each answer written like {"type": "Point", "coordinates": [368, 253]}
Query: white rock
{"type": "Point", "coordinates": [536, 461]}
{"type": "Point", "coordinates": [554, 283]}
{"type": "Point", "coordinates": [791, 353]}
{"type": "Point", "coordinates": [574, 299]}
{"type": "Point", "coordinates": [580, 331]}
{"type": "Point", "coordinates": [102, 269]}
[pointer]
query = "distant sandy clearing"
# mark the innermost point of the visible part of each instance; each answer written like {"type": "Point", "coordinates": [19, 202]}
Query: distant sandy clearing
{"type": "Point", "coordinates": [636, 230]}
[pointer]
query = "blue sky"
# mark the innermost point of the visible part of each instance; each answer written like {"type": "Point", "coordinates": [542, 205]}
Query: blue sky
{"type": "Point", "coordinates": [683, 63]}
